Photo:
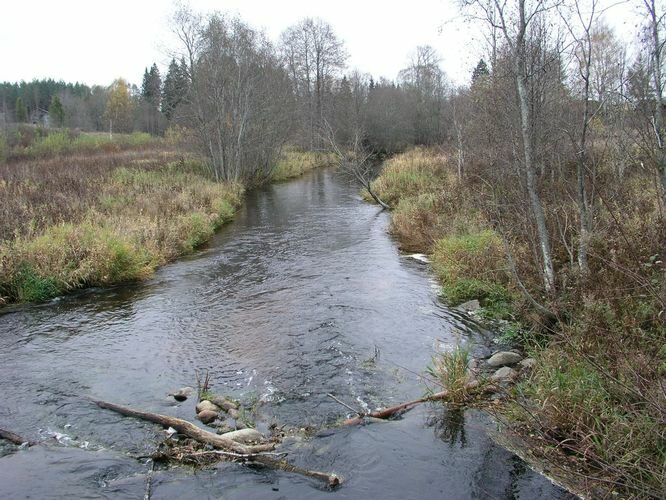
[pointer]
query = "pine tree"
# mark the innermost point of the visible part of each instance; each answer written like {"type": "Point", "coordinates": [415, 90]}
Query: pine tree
{"type": "Point", "coordinates": [481, 71]}
{"type": "Point", "coordinates": [21, 111]}
{"type": "Point", "coordinates": [56, 111]}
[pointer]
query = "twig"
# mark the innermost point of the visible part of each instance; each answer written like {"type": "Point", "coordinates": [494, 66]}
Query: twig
{"type": "Point", "coordinates": [358, 412]}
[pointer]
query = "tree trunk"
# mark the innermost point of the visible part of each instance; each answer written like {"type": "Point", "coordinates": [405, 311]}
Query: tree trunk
{"type": "Point", "coordinates": [531, 174]}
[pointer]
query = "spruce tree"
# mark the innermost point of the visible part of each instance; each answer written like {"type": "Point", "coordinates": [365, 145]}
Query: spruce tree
{"type": "Point", "coordinates": [481, 71]}
{"type": "Point", "coordinates": [56, 112]}
{"type": "Point", "coordinates": [21, 111]}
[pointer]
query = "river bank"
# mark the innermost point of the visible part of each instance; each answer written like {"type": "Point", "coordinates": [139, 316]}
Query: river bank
{"type": "Point", "coordinates": [593, 403]}
{"type": "Point", "coordinates": [92, 211]}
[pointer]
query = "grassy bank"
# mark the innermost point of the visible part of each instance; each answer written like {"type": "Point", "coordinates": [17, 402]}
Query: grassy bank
{"type": "Point", "coordinates": [80, 219]}
{"type": "Point", "coordinates": [294, 163]}
{"type": "Point", "coordinates": [594, 403]}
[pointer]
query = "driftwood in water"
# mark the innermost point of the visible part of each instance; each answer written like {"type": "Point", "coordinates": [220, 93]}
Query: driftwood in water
{"type": "Point", "coordinates": [188, 429]}
{"type": "Point", "coordinates": [393, 410]}
{"type": "Point", "coordinates": [14, 438]}
{"type": "Point", "coordinates": [241, 451]}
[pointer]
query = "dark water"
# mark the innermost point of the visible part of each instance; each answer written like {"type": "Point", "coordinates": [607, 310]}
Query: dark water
{"type": "Point", "coordinates": [303, 295]}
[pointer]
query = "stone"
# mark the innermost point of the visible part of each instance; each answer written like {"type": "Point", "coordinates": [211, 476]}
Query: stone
{"type": "Point", "coordinates": [504, 374]}
{"type": "Point", "coordinates": [207, 405]}
{"type": "Point", "coordinates": [504, 358]}
{"type": "Point", "coordinates": [182, 394]}
{"type": "Point", "coordinates": [207, 416]}
{"type": "Point", "coordinates": [244, 435]}
{"type": "Point", "coordinates": [470, 306]}
{"type": "Point", "coordinates": [223, 403]}
{"type": "Point", "coordinates": [527, 363]}
{"type": "Point", "coordinates": [234, 413]}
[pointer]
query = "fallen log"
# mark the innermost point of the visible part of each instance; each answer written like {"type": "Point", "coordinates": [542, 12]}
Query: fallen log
{"type": "Point", "coordinates": [242, 451]}
{"type": "Point", "coordinates": [188, 429]}
{"type": "Point", "coordinates": [393, 410]}
{"type": "Point", "coordinates": [14, 438]}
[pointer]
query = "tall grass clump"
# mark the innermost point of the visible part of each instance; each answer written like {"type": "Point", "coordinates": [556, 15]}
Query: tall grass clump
{"type": "Point", "coordinates": [451, 371]}
{"type": "Point", "coordinates": [472, 266]}
{"type": "Point", "coordinates": [294, 163]}
{"type": "Point", "coordinates": [410, 174]}
{"type": "Point", "coordinates": [93, 223]}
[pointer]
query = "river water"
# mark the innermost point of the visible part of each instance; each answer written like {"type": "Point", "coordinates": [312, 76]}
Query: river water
{"type": "Point", "coordinates": [304, 294]}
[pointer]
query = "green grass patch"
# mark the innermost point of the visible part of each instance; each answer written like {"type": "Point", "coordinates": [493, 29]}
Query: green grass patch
{"type": "Point", "coordinates": [471, 266]}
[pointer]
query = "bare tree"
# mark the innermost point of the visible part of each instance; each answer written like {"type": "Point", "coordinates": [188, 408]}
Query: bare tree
{"type": "Point", "coordinates": [238, 100]}
{"type": "Point", "coordinates": [355, 162]}
{"type": "Point", "coordinates": [655, 25]}
{"type": "Point", "coordinates": [425, 83]}
{"type": "Point", "coordinates": [314, 56]}
{"type": "Point", "coordinates": [514, 19]}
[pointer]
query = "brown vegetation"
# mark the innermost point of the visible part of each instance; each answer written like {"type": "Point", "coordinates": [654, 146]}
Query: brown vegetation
{"type": "Point", "coordinates": [597, 392]}
{"type": "Point", "coordinates": [78, 220]}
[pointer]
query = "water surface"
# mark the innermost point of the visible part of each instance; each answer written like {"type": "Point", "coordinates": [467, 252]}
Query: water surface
{"type": "Point", "coordinates": [304, 294]}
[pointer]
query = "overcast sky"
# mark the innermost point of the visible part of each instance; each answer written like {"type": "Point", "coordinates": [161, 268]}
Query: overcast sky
{"type": "Point", "coordinates": [95, 42]}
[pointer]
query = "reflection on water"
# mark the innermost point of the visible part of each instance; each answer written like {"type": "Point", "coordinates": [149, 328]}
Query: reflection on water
{"type": "Point", "coordinates": [449, 425]}
{"type": "Point", "coordinates": [294, 300]}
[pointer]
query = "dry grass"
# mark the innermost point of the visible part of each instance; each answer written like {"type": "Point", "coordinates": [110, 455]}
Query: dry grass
{"type": "Point", "coordinates": [294, 163]}
{"type": "Point", "coordinates": [82, 220]}
{"type": "Point", "coordinates": [597, 393]}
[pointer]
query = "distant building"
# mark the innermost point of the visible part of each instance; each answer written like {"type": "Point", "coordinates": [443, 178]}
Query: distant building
{"type": "Point", "coordinates": [40, 116]}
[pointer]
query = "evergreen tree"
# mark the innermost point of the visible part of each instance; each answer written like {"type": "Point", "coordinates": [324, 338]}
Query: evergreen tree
{"type": "Point", "coordinates": [56, 111]}
{"type": "Point", "coordinates": [21, 111]}
{"type": "Point", "coordinates": [152, 83]}
{"type": "Point", "coordinates": [175, 87]}
{"type": "Point", "coordinates": [481, 71]}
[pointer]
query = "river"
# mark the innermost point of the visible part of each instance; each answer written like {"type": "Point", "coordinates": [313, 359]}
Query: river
{"type": "Point", "coordinates": [302, 295]}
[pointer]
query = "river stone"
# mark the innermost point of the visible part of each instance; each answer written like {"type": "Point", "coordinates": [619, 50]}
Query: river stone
{"type": "Point", "coordinates": [244, 435]}
{"type": "Point", "coordinates": [504, 374]}
{"type": "Point", "coordinates": [207, 416]}
{"type": "Point", "coordinates": [223, 403]}
{"type": "Point", "coordinates": [182, 394]}
{"type": "Point", "coordinates": [504, 358]}
{"type": "Point", "coordinates": [207, 405]}
{"type": "Point", "coordinates": [527, 363]}
{"type": "Point", "coordinates": [470, 306]}
{"type": "Point", "coordinates": [234, 413]}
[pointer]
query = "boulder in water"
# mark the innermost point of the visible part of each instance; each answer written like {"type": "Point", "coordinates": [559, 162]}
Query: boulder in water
{"type": "Point", "coordinates": [207, 405]}
{"type": "Point", "coordinates": [504, 358]}
{"type": "Point", "coordinates": [182, 394]}
{"type": "Point", "coordinates": [207, 416]}
{"type": "Point", "coordinates": [224, 403]}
